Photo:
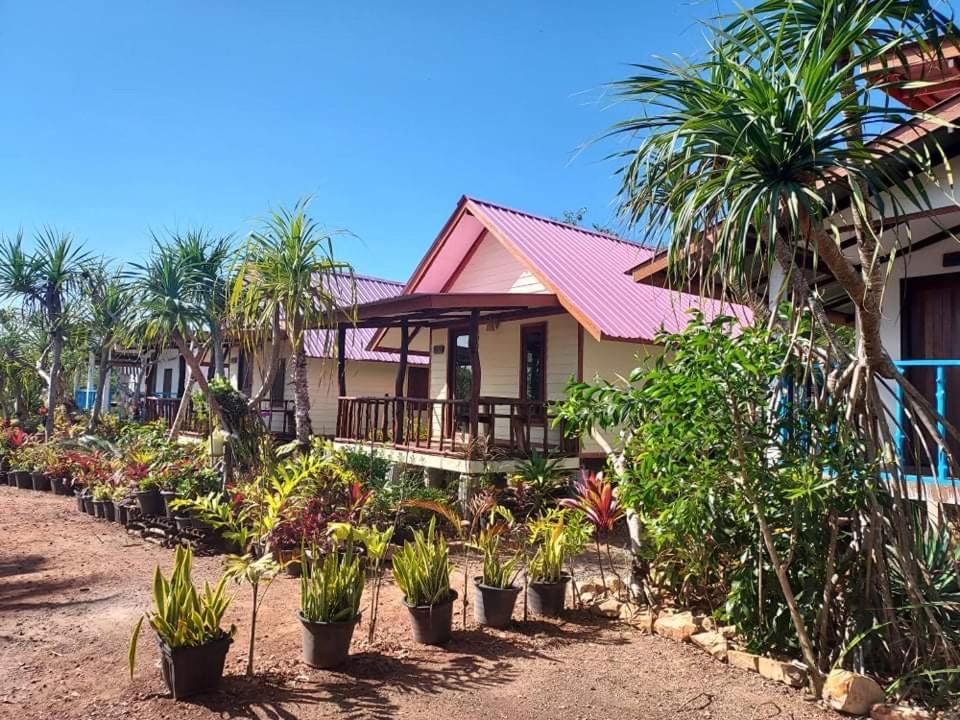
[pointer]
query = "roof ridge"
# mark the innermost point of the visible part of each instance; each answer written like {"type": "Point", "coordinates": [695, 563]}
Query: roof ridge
{"type": "Point", "coordinates": [560, 223]}
{"type": "Point", "coordinates": [372, 278]}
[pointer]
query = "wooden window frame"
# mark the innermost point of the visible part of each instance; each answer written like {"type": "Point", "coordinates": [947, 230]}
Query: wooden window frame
{"type": "Point", "coordinates": [526, 329]}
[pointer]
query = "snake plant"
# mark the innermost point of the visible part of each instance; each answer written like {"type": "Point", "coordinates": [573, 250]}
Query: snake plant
{"type": "Point", "coordinates": [422, 568]}
{"type": "Point", "coordinates": [330, 589]}
{"type": "Point", "coordinates": [182, 616]}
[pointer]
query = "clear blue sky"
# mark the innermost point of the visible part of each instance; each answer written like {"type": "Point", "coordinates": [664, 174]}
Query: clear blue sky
{"type": "Point", "coordinates": [119, 117]}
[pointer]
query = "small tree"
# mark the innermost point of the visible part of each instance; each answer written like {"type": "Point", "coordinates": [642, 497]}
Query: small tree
{"type": "Point", "coordinates": [290, 279]}
{"type": "Point", "coordinates": [46, 282]}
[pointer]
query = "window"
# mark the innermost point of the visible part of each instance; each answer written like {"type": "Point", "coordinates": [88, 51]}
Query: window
{"type": "Point", "coordinates": [533, 368]}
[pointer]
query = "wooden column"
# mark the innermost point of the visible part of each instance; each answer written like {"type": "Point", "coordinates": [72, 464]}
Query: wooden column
{"type": "Point", "coordinates": [341, 360]}
{"type": "Point", "coordinates": [475, 374]}
{"type": "Point", "coordinates": [398, 419]}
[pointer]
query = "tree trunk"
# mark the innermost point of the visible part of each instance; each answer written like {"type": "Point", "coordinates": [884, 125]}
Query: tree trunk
{"type": "Point", "coordinates": [194, 364]}
{"type": "Point", "coordinates": [273, 361]}
{"type": "Point", "coordinates": [103, 369]}
{"type": "Point", "coordinates": [301, 396]}
{"type": "Point", "coordinates": [184, 404]}
{"type": "Point", "coordinates": [53, 387]}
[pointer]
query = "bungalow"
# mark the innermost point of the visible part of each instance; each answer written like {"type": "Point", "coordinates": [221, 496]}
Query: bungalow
{"type": "Point", "coordinates": [372, 372]}
{"type": "Point", "coordinates": [920, 323]}
{"type": "Point", "coordinates": [506, 307]}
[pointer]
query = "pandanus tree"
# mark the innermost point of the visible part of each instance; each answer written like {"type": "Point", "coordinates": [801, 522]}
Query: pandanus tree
{"type": "Point", "coordinates": [755, 160]}
{"type": "Point", "coordinates": [289, 282]}
{"type": "Point", "coordinates": [110, 309]}
{"type": "Point", "coordinates": [46, 281]}
{"type": "Point", "coordinates": [173, 307]}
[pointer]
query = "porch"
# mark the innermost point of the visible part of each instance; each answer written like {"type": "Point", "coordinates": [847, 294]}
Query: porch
{"type": "Point", "coordinates": [929, 478]}
{"type": "Point", "coordinates": [459, 425]}
{"type": "Point", "coordinates": [277, 416]}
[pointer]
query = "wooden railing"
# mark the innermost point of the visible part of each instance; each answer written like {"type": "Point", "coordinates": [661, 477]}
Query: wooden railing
{"type": "Point", "coordinates": [278, 417]}
{"type": "Point", "coordinates": [165, 409]}
{"type": "Point", "coordinates": [506, 426]}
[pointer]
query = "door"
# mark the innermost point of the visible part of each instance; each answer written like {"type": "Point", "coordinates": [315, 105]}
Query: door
{"type": "Point", "coordinates": [418, 382]}
{"type": "Point", "coordinates": [931, 331]}
{"type": "Point", "coordinates": [459, 379]}
{"type": "Point", "coordinates": [182, 376]}
{"type": "Point", "coordinates": [167, 382]}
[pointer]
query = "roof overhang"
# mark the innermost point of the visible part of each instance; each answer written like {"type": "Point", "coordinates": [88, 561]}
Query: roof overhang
{"type": "Point", "coordinates": [426, 310]}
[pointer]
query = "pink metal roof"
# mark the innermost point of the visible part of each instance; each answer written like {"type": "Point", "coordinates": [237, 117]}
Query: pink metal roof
{"type": "Point", "coordinates": [587, 271]}
{"type": "Point", "coordinates": [323, 343]}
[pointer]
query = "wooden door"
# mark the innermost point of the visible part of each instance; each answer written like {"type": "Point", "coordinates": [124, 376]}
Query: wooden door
{"type": "Point", "coordinates": [418, 382]}
{"type": "Point", "coordinates": [931, 331]}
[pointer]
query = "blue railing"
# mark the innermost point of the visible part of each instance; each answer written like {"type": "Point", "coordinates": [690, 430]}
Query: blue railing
{"type": "Point", "coordinates": [85, 399]}
{"type": "Point", "coordinates": [941, 470]}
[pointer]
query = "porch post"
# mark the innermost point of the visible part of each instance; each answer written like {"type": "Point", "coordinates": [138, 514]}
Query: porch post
{"type": "Point", "coordinates": [341, 360]}
{"type": "Point", "coordinates": [398, 419]}
{"type": "Point", "coordinates": [475, 374]}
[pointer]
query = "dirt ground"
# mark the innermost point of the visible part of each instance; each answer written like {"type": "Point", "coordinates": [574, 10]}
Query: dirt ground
{"type": "Point", "coordinates": [71, 589]}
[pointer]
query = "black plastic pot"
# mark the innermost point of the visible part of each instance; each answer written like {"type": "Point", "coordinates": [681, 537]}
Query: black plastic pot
{"type": "Point", "coordinates": [547, 598]}
{"type": "Point", "coordinates": [431, 623]}
{"type": "Point", "coordinates": [493, 606]}
{"type": "Point", "coordinates": [79, 498]}
{"type": "Point", "coordinates": [23, 479]}
{"type": "Point", "coordinates": [193, 670]}
{"type": "Point", "coordinates": [120, 513]}
{"type": "Point", "coordinates": [108, 510]}
{"type": "Point", "coordinates": [168, 496]}
{"type": "Point", "coordinates": [185, 522]}
{"type": "Point", "coordinates": [40, 481]}
{"type": "Point", "coordinates": [150, 501]}
{"type": "Point", "coordinates": [100, 508]}
{"type": "Point", "coordinates": [88, 506]}
{"type": "Point", "coordinates": [58, 486]}
{"type": "Point", "coordinates": [326, 645]}
{"type": "Point", "coordinates": [3, 477]}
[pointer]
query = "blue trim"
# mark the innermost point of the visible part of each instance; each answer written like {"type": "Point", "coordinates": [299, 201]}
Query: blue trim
{"type": "Point", "coordinates": [941, 474]}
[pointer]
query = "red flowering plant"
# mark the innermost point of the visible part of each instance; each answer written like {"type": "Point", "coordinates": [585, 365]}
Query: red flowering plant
{"type": "Point", "coordinates": [595, 497]}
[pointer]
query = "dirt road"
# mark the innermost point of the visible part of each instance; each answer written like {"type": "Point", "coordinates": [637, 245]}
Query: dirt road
{"type": "Point", "coordinates": [71, 589]}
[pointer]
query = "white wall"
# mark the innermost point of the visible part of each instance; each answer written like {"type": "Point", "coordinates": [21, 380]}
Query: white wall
{"type": "Point", "coordinates": [493, 269]}
{"type": "Point", "coordinates": [613, 362]}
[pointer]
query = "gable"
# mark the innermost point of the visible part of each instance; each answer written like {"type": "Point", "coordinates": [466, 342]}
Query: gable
{"type": "Point", "coordinates": [491, 268]}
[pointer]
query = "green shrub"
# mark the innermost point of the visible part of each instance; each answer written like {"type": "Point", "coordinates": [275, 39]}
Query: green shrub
{"type": "Point", "coordinates": [422, 568]}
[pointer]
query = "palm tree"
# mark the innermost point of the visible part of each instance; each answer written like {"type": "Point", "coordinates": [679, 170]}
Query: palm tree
{"type": "Point", "coordinates": [46, 282]}
{"type": "Point", "coordinates": [210, 258]}
{"type": "Point", "coordinates": [170, 309]}
{"type": "Point", "coordinates": [110, 309]}
{"type": "Point", "coordinates": [742, 160]}
{"type": "Point", "coordinates": [289, 278]}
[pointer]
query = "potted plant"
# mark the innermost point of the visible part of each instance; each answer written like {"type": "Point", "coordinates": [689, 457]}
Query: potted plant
{"type": "Point", "coordinates": [196, 481]}
{"type": "Point", "coordinates": [557, 535]}
{"type": "Point", "coordinates": [330, 592]}
{"type": "Point", "coordinates": [148, 496]}
{"type": "Point", "coordinates": [102, 497]}
{"type": "Point", "coordinates": [20, 467]}
{"type": "Point", "coordinates": [193, 646]}
{"type": "Point", "coordinates": [121, 505]}
{"type": "Point", "coordinates": [422, 572]}
{"type": "Point", "coordinates": [41, 457]}
{"type": "Point", "coordinates": [496, 589]}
